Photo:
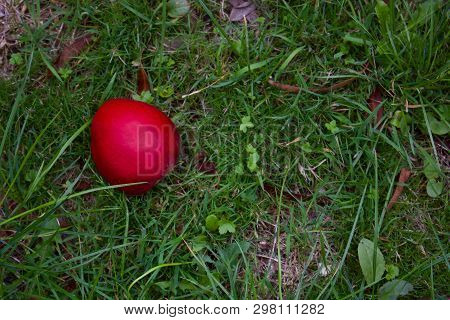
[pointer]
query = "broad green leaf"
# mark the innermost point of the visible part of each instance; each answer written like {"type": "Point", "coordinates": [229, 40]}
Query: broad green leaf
{"type": "Point", "coordinates": [384, 15]}
{"type": "Point", "coordinates": [444, 112]}
{"type": "Point", "coordinates": [393, 289]}
{"type": "Point", "coordinates": [338, 55]}
{"type": "Point", "coordinates": [226, 226]}
{"type": "Point", "coordinates": [16, 59]}
{"type": "Point", "coordinates": [65, 72]}
{"type": "Point", "coordinates": [252, 161]}
{"type": "Point", "coordinates": [212, 222]}
{"type": "Point", "coordinates": [250, 148]}
{"type": "Point", "coordinates": [306, 147]}
{"type": "Point", "coordinates": [199, 243]}
{"type": "Point", "coordinates": [145, 96]}
{"type": "Point", "coordinates": [237, 47]}
{"type": "Point", "coordinates": [366, 254]}
{"type": "Point", "coordinates": [434, 188]}
{"type": "Point", "coordinates": [431, 169]}
{"type": "Point", "coordinates": [249, 195]}
{"type": "Point", "coordinates": [392, 271]}
{"type": "Point", "coordinates": [436, 126]}
{"type": "Point", "coordinates": [164, 91]}
{"type": "Point", "coordinates": [332, 127]}
{"type": "Point", "coordinates": [239, 169]}
{"type": "Point", "coordinates": [245, 124]}
{"type": "Point", "coordinates": [170, 62]}
{"type": "Point", "coordinates": [185, 285]}
{"type": "Point", "coordinates": [177, 8]}
{"type": "Point", "coordinates": [400, 120]}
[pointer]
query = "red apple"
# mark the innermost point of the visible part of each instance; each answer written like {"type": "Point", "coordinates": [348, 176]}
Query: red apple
{"type": "Point", "coordinates": [132, 141]}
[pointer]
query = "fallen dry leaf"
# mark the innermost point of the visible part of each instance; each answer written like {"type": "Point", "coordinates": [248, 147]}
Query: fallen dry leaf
{"type": "Point", "coordinates": [203, 165]}
{"type": "Point", "coordinates": [207, 167]}
{"type": "Point", "coordinates": [72, 50]}
{"type": "Point", "coordinates": [68, 283]}
{"type": "Point", "coordinates": [242, 9]}
{"type": "Point", "coordinates": [142, 81]}
{"type": "Point", "coordinates": [63, 222]}
{"type": "Point", "coordinates": [83, 184]}
{"type": "Point", "coordinates": [374, 100]}
{"type": "Point", "coordinates": [405, 173]}
{"type": "Point", "coordinates": [6, 234]}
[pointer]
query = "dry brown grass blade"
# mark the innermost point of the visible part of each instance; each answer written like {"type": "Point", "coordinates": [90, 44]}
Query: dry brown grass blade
{"type": "Point", "coordinates": [142, 81]}
{"type": "Point", "coordinates": [336, 86]}
{"type": "Point", "coordinates": [72, 50]}
{"type": "Point", "coordinates": [405, 173]}
{"type": "Point", "coordinates": [374, 100]}
{"type": "Point", "coordinates": [284, 87]}
{"type": "Point", "coordinates": [296, 89]}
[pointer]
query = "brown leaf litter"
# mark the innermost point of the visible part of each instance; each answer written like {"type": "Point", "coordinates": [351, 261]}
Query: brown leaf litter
{"type": "Point", "coordinates": [203, 165]}
{"type": "Point", "coordinates": [72, 49]}
{"type": "Point", "coordinates": [405, 173]}
{"type": "Point", "coordinates": [83, 184]}
{"type": "Point", "coordinates": [14, 15]}
{"type": "Point", "coordinates": [295, 262]}
{"type": "Point", "coordinates": [374, 101]}
{"type": "Point", "coordinates": [142, 81]}
{"type": "Point", "coordinates": [242, 10]}
{"type": "Point", "coordinates": [68, 283]}
{"type": "Point", "coordinates": [267, 259]}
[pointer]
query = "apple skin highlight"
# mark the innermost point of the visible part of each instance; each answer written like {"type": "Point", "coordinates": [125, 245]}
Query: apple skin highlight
{"type": "Point", "coordinates": [131, 142]}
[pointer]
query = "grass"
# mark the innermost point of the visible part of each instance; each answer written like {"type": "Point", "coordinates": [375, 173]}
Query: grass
{"type": "Point", "coordinates": [157, 246]}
